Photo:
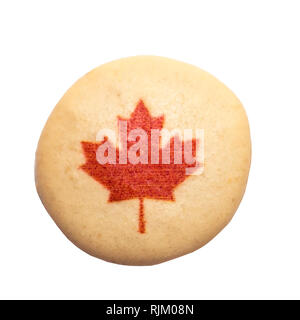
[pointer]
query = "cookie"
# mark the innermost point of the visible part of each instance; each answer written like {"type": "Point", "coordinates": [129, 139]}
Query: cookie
{"type": "Point", "coordinates": [143, 160]}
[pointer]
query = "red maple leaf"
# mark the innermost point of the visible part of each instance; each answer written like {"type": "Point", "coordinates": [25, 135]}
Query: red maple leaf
{"type": "Point", "coordinates": [141, 180]}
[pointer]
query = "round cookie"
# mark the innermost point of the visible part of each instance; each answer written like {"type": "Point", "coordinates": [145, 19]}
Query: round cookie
{"type": "Point", "coordinates": [125, 199]}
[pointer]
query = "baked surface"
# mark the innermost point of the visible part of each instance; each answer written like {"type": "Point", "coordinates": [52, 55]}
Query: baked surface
{"type": "Point", "coordinates": [188, 98]}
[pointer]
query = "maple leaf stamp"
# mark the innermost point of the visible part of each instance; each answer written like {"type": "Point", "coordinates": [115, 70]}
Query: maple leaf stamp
{"type": "Point", "coordinates": [141, 168]}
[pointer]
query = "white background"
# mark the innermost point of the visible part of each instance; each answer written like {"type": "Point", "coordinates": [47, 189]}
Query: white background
{"type": "Point", "coordinates": [252, 46]}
